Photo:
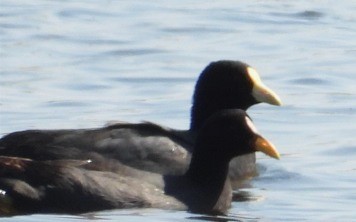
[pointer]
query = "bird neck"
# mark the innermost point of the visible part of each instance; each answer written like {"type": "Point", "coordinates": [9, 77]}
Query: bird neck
{"type": "Point", "coordinates": [199, 113]}
{"type": "Point", "coordinates": [203, 108]}
{"type": "Point", "coordinates": [210, 176]}
{"type": "Point", "coordinates": [208, 169]}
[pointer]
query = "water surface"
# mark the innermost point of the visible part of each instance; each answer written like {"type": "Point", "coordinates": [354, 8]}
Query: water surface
{"type": "Point", "coordinates": [76, 64]}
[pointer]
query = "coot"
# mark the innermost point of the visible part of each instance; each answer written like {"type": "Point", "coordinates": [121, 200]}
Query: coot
{"type": "Point", "coordinates": [221, 85]}
{"type": "Point", "coordinates": [64, 186]}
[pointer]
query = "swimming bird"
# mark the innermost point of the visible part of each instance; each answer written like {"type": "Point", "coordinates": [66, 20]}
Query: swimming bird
{"type": "Point", "coordinates": [148, 146]}
{"type": "Point", "coordinates": [62, 186]}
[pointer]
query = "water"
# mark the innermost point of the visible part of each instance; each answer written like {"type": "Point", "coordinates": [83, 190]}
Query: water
{"type": "Point", "coordinates": [75, 64]}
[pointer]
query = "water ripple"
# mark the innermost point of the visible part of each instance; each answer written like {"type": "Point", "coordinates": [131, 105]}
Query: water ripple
{"type": "Point", "coordinates": [81, 40]}
{"type": "Point", "coordinates": [310, 81]}
{"type": "Point", "coordinates": [309, 14]}
{"type": "Point", "coordinates": [133, 52]}
{"type": "Point", "coordinates": [80, 13]}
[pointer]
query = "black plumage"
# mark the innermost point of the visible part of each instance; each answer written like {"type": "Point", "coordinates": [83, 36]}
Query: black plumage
{"type": "Point", "coordinates": [67, 186]}
{"type": "Point", "coordinates": [148, 146]}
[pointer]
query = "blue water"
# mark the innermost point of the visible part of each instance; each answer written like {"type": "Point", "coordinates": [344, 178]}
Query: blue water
{"type": "Point", "coordinates": [76, 64]}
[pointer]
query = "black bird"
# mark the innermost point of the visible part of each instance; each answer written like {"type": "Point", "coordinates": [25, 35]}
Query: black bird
{"type": "Point", "coordinates": [62, 186]}
{"type": "Point", "coordinates": [148, 146]}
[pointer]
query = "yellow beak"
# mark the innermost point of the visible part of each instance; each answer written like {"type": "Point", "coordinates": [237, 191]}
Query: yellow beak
{"type": "Point", "coordinates": [264, 94]}
{"type": "Point", "coordinates": [266, 147]}
{"type": "Point", "coordinates": [260, 91]}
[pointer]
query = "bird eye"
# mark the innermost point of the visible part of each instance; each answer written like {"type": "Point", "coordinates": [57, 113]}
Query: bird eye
{"type": "Point", "coordinates": [251, 125]}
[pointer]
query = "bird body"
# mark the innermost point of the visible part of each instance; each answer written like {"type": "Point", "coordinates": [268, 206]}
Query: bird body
{"type": "Point", "coordinates": [68, 186]}
{"type": "Point", "coordinates": [148, 146]}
